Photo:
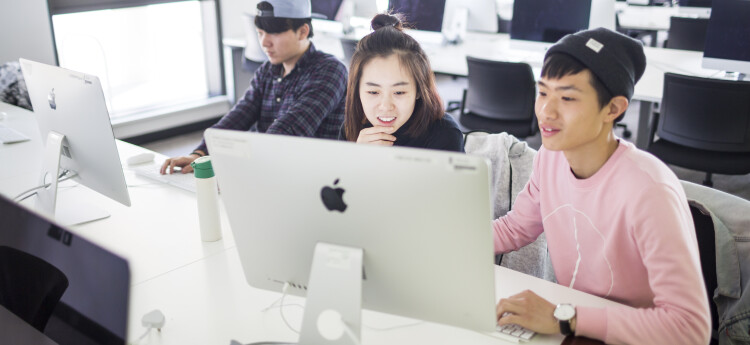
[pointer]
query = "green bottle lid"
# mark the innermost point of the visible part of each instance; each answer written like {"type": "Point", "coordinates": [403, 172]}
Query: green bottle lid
{"type": "Point", "coordinates": [202, 167]}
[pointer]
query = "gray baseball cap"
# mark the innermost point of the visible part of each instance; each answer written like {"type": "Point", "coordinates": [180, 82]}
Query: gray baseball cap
{"type": "Point", "coordinates": [287, 9]}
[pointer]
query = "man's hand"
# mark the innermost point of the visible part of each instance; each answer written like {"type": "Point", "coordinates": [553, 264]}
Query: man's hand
{"type": "Point", "coordinates": [530, 311]}
{"type": "Point", "coordinates": [377, 135]}
{"type": "Point", "coordinates": [181, 162]}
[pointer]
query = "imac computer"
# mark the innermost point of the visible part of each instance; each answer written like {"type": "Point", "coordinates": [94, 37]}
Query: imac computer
{"type": "Point", "coordinates": [424, 17]}
{"type": "Point", "coordinates": [699, 8]}
{"type": "Point", "coordinates": [397, 230]}
{"type": "Point", "coordinates": [728, 38]}
{"type": "Point", "coordinates": [450, 18]}
{"type": "Point", "coordinates": [461, 16]}
{"type": "Point", "coordinates": [537, 24]}
{"type": "Point", "coordinates": [74, 123]}
{"type": "Point", "coordinates": [325, 9]}
{"type": "Point", "coordinates": [82, 289]}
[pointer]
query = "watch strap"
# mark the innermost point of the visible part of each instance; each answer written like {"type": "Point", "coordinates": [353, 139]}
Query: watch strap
{"type": "Point", "coordinates": [565, 327]}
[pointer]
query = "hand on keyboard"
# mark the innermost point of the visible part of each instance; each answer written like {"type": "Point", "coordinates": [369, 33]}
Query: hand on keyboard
{"type": "Point", "coordinates": [170, 164]}
{"type": "Point", "coordinates": [178, 179]}
{"type": "Point", "coordinates": [514, 330]}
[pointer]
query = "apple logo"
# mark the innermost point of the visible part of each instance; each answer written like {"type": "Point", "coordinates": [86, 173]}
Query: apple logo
{"type": "Point", "coordinates": [333, 198]}
{"type": "Point", "coordinates": [51, 99]}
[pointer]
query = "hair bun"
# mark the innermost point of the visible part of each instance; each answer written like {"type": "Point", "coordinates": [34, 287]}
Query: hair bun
{"type": "Point", "coordinates": [384, 19]}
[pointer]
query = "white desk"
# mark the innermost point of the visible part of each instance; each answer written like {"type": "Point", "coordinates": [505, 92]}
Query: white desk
{"type": "Point", "coordinates": [200, 286]}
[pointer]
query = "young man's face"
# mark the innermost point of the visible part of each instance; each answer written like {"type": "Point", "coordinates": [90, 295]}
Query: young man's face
{"type": "Point", "coordinates": [568, 113]}
{"type": "Point", "coordinates": [281, 47]}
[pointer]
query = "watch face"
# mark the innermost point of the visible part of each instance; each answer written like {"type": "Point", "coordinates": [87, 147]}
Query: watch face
{"type": "Point", "coordinates": [564, 312]}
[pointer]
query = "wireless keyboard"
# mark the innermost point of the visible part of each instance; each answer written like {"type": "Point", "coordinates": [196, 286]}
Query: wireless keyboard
{"type": "Point", "coordinates": [178, 179]}
{"type": "Point", "coordinates": [10, 136]}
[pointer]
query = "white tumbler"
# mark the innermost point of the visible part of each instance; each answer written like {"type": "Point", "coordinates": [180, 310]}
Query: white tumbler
{"type": "Point", "coordinates": [208, 199]}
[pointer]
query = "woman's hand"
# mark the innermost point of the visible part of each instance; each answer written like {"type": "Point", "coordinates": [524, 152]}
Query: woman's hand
{"type": "Point", "coordinates": [377, 136]}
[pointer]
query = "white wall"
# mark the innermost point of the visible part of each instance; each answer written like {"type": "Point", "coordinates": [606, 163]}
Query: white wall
{"type": "Point", "coordinates": [231, 10]}
{"type": "Point", "coordinates": [25, 31]}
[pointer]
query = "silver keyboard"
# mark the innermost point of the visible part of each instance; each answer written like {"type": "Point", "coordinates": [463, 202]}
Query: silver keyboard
{"type": "Point", "coordinates": [514, 332]}
{"type": "Point", "coordinates": [10, 136]}
{"type": "Point", "coordinates": [178, 179]}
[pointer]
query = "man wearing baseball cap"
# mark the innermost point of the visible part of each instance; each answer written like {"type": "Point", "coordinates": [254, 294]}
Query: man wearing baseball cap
{"type": "Point", "coordinates": [616, 218]}
{"type": "Point", "coordinates": [299, 91]}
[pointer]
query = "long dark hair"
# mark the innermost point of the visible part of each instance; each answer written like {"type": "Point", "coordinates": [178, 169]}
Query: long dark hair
{"type": "Point", "coordinates": [388, 38]}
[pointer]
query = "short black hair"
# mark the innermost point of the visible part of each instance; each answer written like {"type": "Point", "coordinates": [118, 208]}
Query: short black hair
{"type": "Point", "coordinates": [273, 25]}
{"type": "Point", "coordinates": [558, 65]}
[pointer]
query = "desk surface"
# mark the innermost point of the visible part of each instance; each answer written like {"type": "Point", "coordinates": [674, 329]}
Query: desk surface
{"type": "Point", "coordinates": [200, 287]}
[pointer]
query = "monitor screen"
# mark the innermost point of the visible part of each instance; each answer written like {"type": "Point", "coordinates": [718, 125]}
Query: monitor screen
{"type": "Point", "coordinates": [93, 308]}
{"type": "Point", "coordinates": [75, 128]}
{"type": "Point", "coordinates": [424, 15]}
{"type": "Point", "coordinates": [421, 217]}
{"type": "Point", "coordinates": [548, 20]}
{"type": "Point", "coordinates": [696, 3]}
{"type": "Point", "coordinates": [728, 37]}
{"type": "Point", "coordinates": [482, 14]}
{"type": "Point", "coordinates": [326, 8]}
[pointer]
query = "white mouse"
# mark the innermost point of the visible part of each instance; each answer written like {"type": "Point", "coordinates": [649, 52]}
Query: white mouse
{"type": "Point", "coordinates": [141, 158]}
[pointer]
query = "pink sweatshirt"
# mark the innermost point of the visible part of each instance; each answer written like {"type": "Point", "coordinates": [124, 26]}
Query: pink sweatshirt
{"type": "Point", "coordinates": [628, 232]}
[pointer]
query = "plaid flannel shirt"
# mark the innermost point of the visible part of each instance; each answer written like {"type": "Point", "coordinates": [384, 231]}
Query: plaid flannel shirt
{"type": "Point", "coordinates": [308, 102]}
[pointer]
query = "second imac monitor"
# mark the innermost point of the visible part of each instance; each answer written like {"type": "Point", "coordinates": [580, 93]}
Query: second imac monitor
{"type": "Point", "coordinates": [728, 38]}
{"type": "Point", "coordinates": [425, 15]}
{"type": "Point", "coordinates": [537, 24]}
{"type": "Point", "coordinates": [74, 123]}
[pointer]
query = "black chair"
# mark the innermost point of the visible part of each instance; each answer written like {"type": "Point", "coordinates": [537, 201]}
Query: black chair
{"type": "Point", "coordinates": [704, 230]}
{"type": "Point", "coordinates": [500, 98]}
{"type": "Point", "coordinates": [349, 45]}
{"type": "Point", "coordinates": [687, 33]}
{"type": "Point", "coordinates": [704, 125]}
{"type": "Point", "coordinates": [29, 286]}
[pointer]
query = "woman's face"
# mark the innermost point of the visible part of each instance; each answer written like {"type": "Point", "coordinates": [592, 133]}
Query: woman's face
{"type": "Point", "coordinates": [387, 91]}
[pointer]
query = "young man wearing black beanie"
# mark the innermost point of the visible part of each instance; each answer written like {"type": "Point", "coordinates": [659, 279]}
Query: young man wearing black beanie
{"type": "Point", "coordinates": [616, 218]}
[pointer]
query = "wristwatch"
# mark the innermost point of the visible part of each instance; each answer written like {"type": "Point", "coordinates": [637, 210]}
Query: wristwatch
{"type": "Point", "coordinates": [564, 313]}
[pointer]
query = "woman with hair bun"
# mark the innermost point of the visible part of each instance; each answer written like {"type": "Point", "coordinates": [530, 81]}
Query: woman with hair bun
{"type": "Point", "coordinates": [392, 99]}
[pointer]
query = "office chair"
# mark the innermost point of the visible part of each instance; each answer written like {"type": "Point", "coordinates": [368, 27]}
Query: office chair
{"type": "Point", "coordinates": [687, 33]}
{"type": "Point", "coordinates": [29, 286]}
{"type": "Point", "coordinates": [722, 225]}
{"type": "Point", "coordinates": [704, 231]}
{"type": "Point", "coordinates": [349, 45]}
{"type": "Point", "coordinates": [704, 125]}
{"type": "Point", "coordinates": [500, 98]}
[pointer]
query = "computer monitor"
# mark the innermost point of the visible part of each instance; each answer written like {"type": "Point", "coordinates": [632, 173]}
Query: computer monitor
{"type": "Point", "coordinates": [481, 14]}
{"type": "Point", "coordinates": [696, 3]}
{"type": "Point", "coordinates": [695, 8]}
{"type": "Point", "coordinates": [328, 9]}
{"type": "Point", "coordinates": [424, 15]}
{"type": "Point", "coordinates": [408, 230]}
{"type": "Point", "coordinates": [74, 122]}
{"type": "Point", "coordinates": [365, 8]}
{"type": "Point", "coordinates": [93, 308]}
{"type": "Point", "coordinates": [728, 37]}
{"type": "Point", "coordinates": [537, 24]}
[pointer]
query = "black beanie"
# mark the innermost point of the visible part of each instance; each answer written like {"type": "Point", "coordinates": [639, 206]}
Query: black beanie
{"type": "Point", "coordinates": [617, 60]}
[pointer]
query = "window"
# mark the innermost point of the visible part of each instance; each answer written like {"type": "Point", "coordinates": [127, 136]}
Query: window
{"type": "Point", "coordinates": [147, 56]}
